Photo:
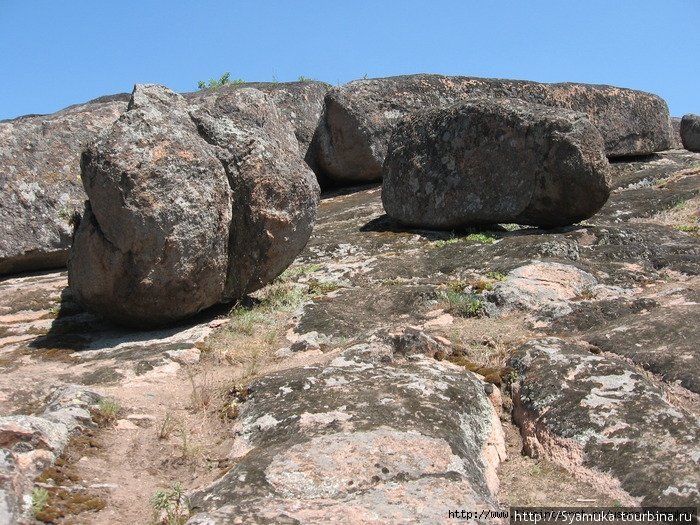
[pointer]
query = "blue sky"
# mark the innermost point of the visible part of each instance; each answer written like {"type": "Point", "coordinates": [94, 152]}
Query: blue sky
{"type": "Point", "coordinates": [56, 53]}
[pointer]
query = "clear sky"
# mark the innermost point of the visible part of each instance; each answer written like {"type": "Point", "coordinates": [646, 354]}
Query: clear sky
{"type": "Point", "coordinates": [54, 53]}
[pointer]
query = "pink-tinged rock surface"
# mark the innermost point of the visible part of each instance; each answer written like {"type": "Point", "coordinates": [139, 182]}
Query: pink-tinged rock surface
{"type": "Point", "coordinates": [370, 436]}
{"type": "Point", "coordinates": [603, 420]}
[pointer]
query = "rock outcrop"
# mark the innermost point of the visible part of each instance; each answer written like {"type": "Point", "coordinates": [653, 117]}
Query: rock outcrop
{"type": "Point", "coordinates": [368, 436]}
{"type": "Point", "coordinates": [676, 142]}
{"type": "Point", "coordinates": [29, 444]}
{"type": "Point", "coordinates": [604, 420]}
{"type": "Point", "coordinates": [690, 132]}
{"type": "Point", "coordinates": [358, 118]}
{"type": "Point", "coordinates": [40, 181]}
{"type": "Point", "coordinates": [494, 161]}
{"type": "Point", "coordinates": [189, 206]}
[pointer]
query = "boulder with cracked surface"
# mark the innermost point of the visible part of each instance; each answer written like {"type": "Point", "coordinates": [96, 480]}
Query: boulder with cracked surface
{"type": "Point", "coordinates": [368, 436]}
{"type": "Point", "coordinates": [152, 245]}
{"type": "Point", "coordinates": [190, 205]}
{"type": "Point", "coordinates": [495, 161]}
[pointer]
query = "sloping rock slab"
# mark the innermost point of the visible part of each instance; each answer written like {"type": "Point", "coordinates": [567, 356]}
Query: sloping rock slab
{"type": "Point", "coordinates": [40, 181]}
{"type": "Point", "coordinates": [358, 118]}
{"type": "Point", "coordinates": [495, 161]}
{"type": "Point", "coordinates": [365, 438]}
{"type": "Point", "coordinates": [603, 420]}
{"type": "Point", "coordinates": [664, 340]}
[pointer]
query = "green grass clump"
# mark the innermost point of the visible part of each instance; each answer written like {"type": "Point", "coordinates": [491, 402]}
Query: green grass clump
{"type": "Point", "coordinates": [496, 276]}
{"type": "Point", "coordinates": [40, 497]}
{"type": "Point", "coordinates": [446, 242]}
{"type": "Point", "coordinates": [688, 228]}
{"type": "Point", "coordinates": [481, 238]}
{"type": "Point", "coordinates": [463, 304]}
{"type": "Point", "coordinates": [218, 82]}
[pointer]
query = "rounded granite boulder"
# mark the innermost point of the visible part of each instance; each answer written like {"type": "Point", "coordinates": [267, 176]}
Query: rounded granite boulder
{"type": "Point", "coordinates": [495, 161]}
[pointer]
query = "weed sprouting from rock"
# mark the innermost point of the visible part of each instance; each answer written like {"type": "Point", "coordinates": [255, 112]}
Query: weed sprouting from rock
{"type": "Point", "coordinates": [218, 82]}
{"type": "Point", "coordinates": [40, 497]}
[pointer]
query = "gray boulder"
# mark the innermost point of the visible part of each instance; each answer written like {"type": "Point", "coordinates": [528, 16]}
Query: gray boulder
{"type": "Point", "coordinates": [190, 205]}
{"type": "Point", "coordinates": [690, 132]}
{"type": "Point", "coordinates": [152, 245]}
{"type": "Point", "coordinates": [495, 161]}
{"type": "Point", "coordinates": [606, 421]}
{"type": "Point", "coordinates": [40, 181]}
{"type": "Point", "coordinates": [358, 119]}
{"type": "Point", "coordinates": [274, 195]}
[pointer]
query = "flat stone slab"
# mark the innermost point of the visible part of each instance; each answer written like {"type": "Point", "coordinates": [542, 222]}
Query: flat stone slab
{"type": "Point", "coordinates": [369, 436]}
{"type": "Point", "coordinates": [601, 418]}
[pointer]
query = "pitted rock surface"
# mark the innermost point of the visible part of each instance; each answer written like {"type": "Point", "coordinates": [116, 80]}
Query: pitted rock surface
{"type": "Point", "coordinates": [494, 161]}
{"type": "Point", "coordinates": [189, 206]}
{"type": "Point", "coordinates": [600, 416]}
{"type": "Point", "coordinates": [362, 433]}
{"type": "Point", "coordinates": [40, 181]}
{"type": "Point", "coordinates": [359, 117]}
{"type": "Point", "coordinates": [152, 245]}
{"type": "Point", "coordinates": [29, 444]}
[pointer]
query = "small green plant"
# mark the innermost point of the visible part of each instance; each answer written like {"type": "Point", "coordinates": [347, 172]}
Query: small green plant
{"type": "Point", "coordinates": [317, 287]}
{"type": "Point", "coordinates": [166, 426]}
{"type": "Point", "coordinates": [463, 304]}
{"type": "Point", "coordinates": [40, 497]}
{"type": "Point", "coordinates": [302, 78]}
{"type": "Point", "coordinates": [688, 228]}
{"type": "Point", "coordinates": [482, 238]}
{"type": "Point", "coordinates": [106, 412]}
{"type": "Point", "coordinates": [445, 242]}
{"type": "Point", "coordinates": [496, 276]}
{"type": "Point", "coordinates": [218, 82]}
{"type": "Point", "coordinates": [170, 506]}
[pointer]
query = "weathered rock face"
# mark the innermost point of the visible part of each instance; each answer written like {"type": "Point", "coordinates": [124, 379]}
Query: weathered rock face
{"type": "Point", "coordinates": [29, 444]}
{"type": "Point", "coordinates": [358, 119]}
{"type": "Point", "coordinates": [40, 180]}
{"type": "Point", "coordinates": [274, 194]}
{"type": "Point", "coordinates": [152, 246]}
{"type": "Point", "coordinates": [300, 103]}
{"type": "Point", "coordinates": [189, 205]}
{"type": "Point", "coordinates": [676, 142]}
{"type": "Point", "coordinates": [690, 132]}
{"type": "Point", "coordinates": [368, 436]}
{"type": "Point", "coordinates": [600, 417]}
{"type": "Point", "coordinates": [487, 161]}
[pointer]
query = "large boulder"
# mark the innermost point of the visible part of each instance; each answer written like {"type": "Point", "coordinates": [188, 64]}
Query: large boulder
{"type": "Point", "coordinates": [353, 135]}
{"type": "Point", "coordinates": [495, 161]}
{"type": "Point", "coordinates": [152, 245]}
{"type": "Point", "coordinates": [690, 132]}
{"type": "Point", "coordinates": [274, 193]}
{"type": "Point", "coordinates": [40, 181]}
{"type": "Point", "coordinates": [190, 205]}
